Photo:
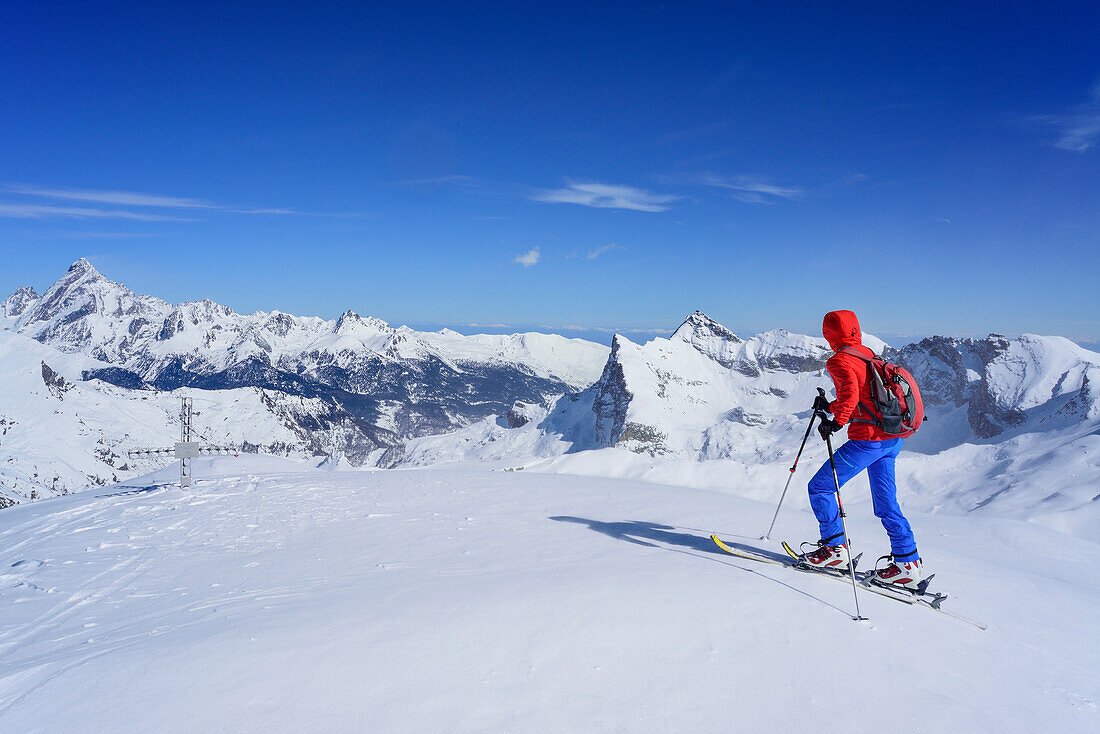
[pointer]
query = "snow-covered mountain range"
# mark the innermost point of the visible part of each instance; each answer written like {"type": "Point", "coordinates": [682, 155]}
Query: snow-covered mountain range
{"type": "Point", "coordinates": [168, 346]}
{"type": "Point", "coordinates": [353, 386]}
{"type": "Point", "coordinates": [704, 392]}
{"type": "Point", "coordinates": [1014, 424]}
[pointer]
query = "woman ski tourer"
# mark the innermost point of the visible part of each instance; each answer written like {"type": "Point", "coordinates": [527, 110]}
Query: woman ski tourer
{"type": "Point", "coordinates": [868, 447]}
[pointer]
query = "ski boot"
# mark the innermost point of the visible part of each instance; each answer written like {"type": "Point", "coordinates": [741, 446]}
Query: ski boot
{"type": "Point", "coordinates": [906, 574]}
{"type": "Point", "coordinates": [827, 557]}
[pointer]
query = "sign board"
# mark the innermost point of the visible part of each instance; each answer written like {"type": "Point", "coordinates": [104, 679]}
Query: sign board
{"type": "Point", "coordinates": [187, 450]}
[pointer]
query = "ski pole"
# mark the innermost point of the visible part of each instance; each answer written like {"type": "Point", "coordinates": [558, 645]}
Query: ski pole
{"type": "Point", "coordinates": [790, 476]}
{"type": "Point", "coordinates": [847, 542]}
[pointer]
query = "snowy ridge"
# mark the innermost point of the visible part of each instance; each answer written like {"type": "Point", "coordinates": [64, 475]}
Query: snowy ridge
{"type": "Point", "coordinates": [701, 393]}
{"type": "Point", "coordinates": [1014, 424]}
{"type": "Point", "coordinates": [777, 349]}
{"type": "Point", "coordinates": [1031, 383]}
{"type": "Point", "coordinates": [361, 386]}
{"type": "Point", "coordinates": [84, 311]}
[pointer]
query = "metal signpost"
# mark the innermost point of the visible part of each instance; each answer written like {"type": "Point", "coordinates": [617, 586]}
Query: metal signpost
{"type": "Point", "coordinates": [185, 449]}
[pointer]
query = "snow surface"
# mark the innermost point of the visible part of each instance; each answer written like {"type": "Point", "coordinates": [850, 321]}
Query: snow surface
{"type": "Point", "coordinates": [273, 598]}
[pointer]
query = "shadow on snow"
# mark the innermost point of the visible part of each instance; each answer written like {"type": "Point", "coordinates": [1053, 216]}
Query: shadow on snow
{"type": "Point", "coordinates": [133, 491]}
{"type": "Point", "coordinates": [642, 533]}
{"type": "Point", "coordinates": [636, 530]}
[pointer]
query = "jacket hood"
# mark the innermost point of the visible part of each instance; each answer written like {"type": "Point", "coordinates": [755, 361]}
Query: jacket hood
{"type": "Point", "coordinates": [841, 329]}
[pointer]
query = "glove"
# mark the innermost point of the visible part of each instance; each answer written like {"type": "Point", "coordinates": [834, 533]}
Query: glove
{"type": "Point", "coordinates": [828, 427]}
{"type": "Point", "coordinates": [822, 404]}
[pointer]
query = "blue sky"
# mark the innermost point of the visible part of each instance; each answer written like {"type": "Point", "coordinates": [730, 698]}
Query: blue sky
{"type": "Point", "coordinates": [596, 165]}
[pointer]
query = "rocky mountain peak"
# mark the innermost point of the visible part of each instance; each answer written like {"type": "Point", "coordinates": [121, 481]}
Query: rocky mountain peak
{"type": "Point", "coordinates": [710, 339]}
{"type": "Point", "coordinates": [76, 294]}
{"type": "Point", "coordinates": [84, 311]}
{"type": "Point", "coordinates": [81, 276]}
{"type": "Point", "coordinates": [698, 326]}
{"type": "Point", "coordinates": [83, 267]}
{"type": "Point", "coordinates": [350, 322]}
{"type": "Point", "coordinates": [18, 302]}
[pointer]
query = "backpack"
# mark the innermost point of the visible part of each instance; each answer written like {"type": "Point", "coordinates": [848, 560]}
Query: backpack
{"type": "Point", "coordinates": [897, 407]}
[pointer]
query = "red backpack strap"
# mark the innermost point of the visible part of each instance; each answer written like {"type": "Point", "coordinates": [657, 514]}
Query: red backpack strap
{"type": "Point", "coordinates": [856, 353]}
{"type": "Point", "coordinates": [874, 420]}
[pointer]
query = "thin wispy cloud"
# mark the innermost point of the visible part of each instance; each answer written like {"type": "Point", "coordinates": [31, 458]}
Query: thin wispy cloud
{"type": "Point", "coordinates": [120, 198]}
{"type": "Point", "coordinates": [98, 235]}
{"type": "Point", "coordinates": [45, 211]}
{"type": "Point", "coordinates": [529, 258]}
{"type": "Point", "coordinates": [748, 189]}
{"type": "Point", "coordinates": [1079, 128]}
{"type": "Point", "coordinates": [607, 196]}
{"type": "Point", "coordinates": [593, 254]}
{"type": "Point", "coordinates": [129, 199]}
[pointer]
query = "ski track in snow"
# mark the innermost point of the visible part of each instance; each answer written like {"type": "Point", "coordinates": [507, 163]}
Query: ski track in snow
{"type": "Point", "coordinates": [466, 600]}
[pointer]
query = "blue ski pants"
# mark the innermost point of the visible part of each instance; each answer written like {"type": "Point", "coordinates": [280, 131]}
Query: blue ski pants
{"type": "Point", "coordinates": [877, 457]}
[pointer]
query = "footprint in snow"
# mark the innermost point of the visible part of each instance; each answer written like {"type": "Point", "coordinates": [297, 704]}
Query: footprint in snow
{"type": "Point", "coordinates": [29, 563]}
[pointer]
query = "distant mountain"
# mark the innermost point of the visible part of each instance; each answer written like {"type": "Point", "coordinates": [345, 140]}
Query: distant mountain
{"type": "Point", "coordinates": [1013, 423]}
{"type": "Point", "coordinates": [59, 433]}
{"type": "Point", "coordinates": [698, 394]}
{"type": "Point", "coordinates": [85, 312]}
{"type": "Point", "coordinates": [1008, 386]}
{"type": "Point", "coordinates": [400, 381]}
{"type": "Point", "coordinates": [374, 385]}
{"type": "Point", "coordinates": [1005, 386]}
{"type": "Point", "coordinates": [16, 304]}
{"type": "Point", "coordinates": [89, 370]}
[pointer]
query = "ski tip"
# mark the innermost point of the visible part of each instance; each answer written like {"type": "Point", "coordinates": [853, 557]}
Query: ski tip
{"type": "Point", "coordinates": [720, 544]}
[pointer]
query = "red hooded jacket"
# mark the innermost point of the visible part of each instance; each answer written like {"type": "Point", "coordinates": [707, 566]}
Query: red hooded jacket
{"type": "Point", "coordinates": [841, 329]}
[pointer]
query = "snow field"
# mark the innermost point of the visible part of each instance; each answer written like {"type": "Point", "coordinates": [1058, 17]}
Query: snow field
{"type": "Point", "coordinates": [271, 598]}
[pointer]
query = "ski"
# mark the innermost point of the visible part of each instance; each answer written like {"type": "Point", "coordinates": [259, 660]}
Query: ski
{"type": "Point", "coordinates": [792, 559]}
{"type": "Point", "coordinates": [925, 599]}
{"type": "Point", "coordinates": [919, 596]}
{"type": "Point", "coordinates": [777, 559]}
